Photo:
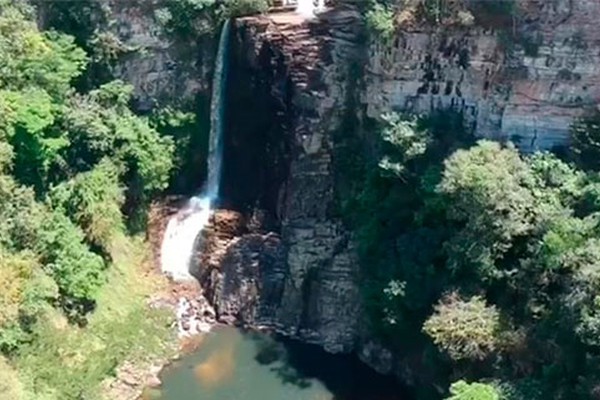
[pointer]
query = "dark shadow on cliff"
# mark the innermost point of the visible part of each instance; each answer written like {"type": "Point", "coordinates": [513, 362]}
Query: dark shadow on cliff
{"type": "Point", "coordinates": [257, 144]}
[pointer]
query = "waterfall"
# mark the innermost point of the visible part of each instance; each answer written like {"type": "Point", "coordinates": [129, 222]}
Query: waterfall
{"type": "Point", "coordinates": [183, 228]}
{"type": "Point", "coordinates": [308, 7]}
{"type": "Point", "coordinates": [180, 237]}
{"type": "Point", "coordinates": [217, 115]}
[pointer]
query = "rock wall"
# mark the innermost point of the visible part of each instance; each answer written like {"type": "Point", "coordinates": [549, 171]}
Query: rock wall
{"type": "Point", "coordinates": [126, 40]}
{"type": "Point", "coordinates": [300, 275]}
{"type": "Point", "coordinates": [505, 94]}
{"type": "Point", "coordinates": [283, 258]}
{"type": "Point", "coordinates": [163, 68]}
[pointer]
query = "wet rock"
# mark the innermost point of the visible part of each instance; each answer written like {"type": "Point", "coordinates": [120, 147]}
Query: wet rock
{"type": "Point", "coordinates": [194, 316]}
{"type": "Point", "coordinates": [228, 223]}
{"type": "Point", "coordinates": [153, 381]}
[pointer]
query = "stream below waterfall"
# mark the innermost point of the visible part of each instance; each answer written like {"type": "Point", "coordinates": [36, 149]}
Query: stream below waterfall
{"type": "Point", "coordinates": [231, 364]}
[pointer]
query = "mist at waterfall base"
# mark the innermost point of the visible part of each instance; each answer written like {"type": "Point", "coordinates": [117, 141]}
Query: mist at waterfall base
{"type": "Point", "coordinates": [183, 228]}
{"type": "Point", "coordinates": [232, 364]}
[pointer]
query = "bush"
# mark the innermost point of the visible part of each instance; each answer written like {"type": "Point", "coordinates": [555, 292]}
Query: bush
{"type": "Point", "coordinates": [380, 22]}
{"type": "Point", "coordinates": [241, 8]}
{"type": "Point", "coordinates": [462, 390]}
{"type": "Point", "coordinates": [466, 330]}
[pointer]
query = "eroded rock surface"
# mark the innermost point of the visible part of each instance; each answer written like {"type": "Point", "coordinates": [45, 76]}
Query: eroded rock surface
{"type": "Point", "coordinates": [300, 274]}
{"type": "Point", "coordinates": [284, 259]}
{"type": "Point", "coordinates": [530, 97]}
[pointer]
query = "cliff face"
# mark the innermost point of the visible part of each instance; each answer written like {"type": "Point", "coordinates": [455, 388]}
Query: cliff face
{"type": "Point", "coordinates": [297, 273]}
{"type": "Point", "coordinates": [505, 92]}
{"type": "Point", "coordinates": [290, 262]}
{"type": "Point", "coordinates": [283, 258]}
{"type": "Point", "coordinates": [128, 40]}
{"type": "Point", "coordinates": [162, 68]}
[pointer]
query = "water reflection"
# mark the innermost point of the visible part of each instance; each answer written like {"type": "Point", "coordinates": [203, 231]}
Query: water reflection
{"type": "Point", "coordinates": [233, 365]}
{"type": "Point", "coordinates": [217, 369]}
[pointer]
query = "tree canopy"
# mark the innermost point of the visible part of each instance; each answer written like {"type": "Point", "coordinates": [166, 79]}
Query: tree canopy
{"type": "Point", "coordinates": [483, 258]}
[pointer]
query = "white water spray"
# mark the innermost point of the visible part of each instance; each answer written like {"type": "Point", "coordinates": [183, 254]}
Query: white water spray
{"type": "Point", "coordinates": [180, 236]}
{"type": "Point", "coordinates": [183, 228]}
{"type": "Point", "coordinates": [308, 7]}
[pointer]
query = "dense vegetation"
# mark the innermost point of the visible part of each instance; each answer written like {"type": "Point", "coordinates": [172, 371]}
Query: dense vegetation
{"type": "Point", "coordinates": [482, 265]}
{"type": "Point", "coordinates": [78, 170]}
{"type": "Point", "coordinates": [480, 261]}
{"type": "Point", "coordinates": [70, 163]}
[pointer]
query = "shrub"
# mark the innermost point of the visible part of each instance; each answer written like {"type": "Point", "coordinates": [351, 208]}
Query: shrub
{"type": "Point", "coordinates": [380, 22]}
{"type": "Point", "coordinates": [464, 329]}
{"type": "Point", "coordinates": [462, 390]}
{"type": "Point", "coordinates": [240, 8]}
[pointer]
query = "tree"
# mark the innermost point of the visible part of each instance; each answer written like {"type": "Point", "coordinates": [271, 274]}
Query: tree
{"type": "Point", "coordinates": [405, 140]}
{"type": "Point", "coordinates": [462, 390]}
{"type": "Point", "coordinates": [100, 125]}
{"type": "Point", "coordinates": [487, 189]}
{"type": "Point", "coordinates": [29, 57]}
{"type": "Point", "coordinates": [585, 141]}
{"type": "Point", "coordinates": [465, 329]}
{"type": "Point", "coordinates": [93, 200]}
{"type": "Point", "coordinates": [78, 272]}
{"type": "Point", "coordinates": [380, 22]}
{"type": "Point", "coordinates": [240, 8]}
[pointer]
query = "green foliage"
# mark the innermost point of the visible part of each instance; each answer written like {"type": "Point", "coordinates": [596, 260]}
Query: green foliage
{"type": "Point", "coordinates": [585, 141]}
{"type": "Point", "coordinates": [93, 200]}
{"type": "Point", "coordinates": [462, 390]}
{"type": "Point", "coordinates": [486, 189]}
{"type": "Point", "coordinates": [187, 17]}
{"type": "Point", "coordinates": [70, 162]}
{"type": "Point", "coordinates": [406, 140]}
{"type": "Point", "coordinates": [100, 126]}
{"type": "Point", "coordinates": [78, 272]}
{"type": "Point", "coordinates": [32, 58]}
{"type": "Point", "coordinates": [380, 22]}
{"type": "Point", "coordinates": [465, 329]}
{"type": "Point", "coordinates": [516, 235]}
{"type": "Point", "coordinates": [240, 8]}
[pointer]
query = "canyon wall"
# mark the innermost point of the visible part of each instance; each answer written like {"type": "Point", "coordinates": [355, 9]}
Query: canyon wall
{"type": "Point", "coordinates": [506, 92]}
{"type": "Point", "coordinates": [299, 272]}
{"type": "Point", "coordinates": [164, 68]}
{"type": "Point", "coordinates": [280, 255]}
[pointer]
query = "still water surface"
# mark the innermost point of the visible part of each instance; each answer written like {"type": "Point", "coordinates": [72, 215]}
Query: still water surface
{"type": "Point", "coordinates": [234, 365]}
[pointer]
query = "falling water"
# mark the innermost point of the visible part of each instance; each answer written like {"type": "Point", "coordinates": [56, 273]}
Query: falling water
{"type": "Point", "coordinates": [217, 115]}
{"type": "Point", "coordinates": [183, 228]}
{"type": "Point", "coordinates": [308, 7]}
{"type": "Point", "coordinates": [180, 237]}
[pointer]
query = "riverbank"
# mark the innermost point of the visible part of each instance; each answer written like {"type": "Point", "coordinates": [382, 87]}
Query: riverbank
{"type": "Point", "coordinates": [189, 317]}
{"type": "Point", "coordinates": [185, 314]}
